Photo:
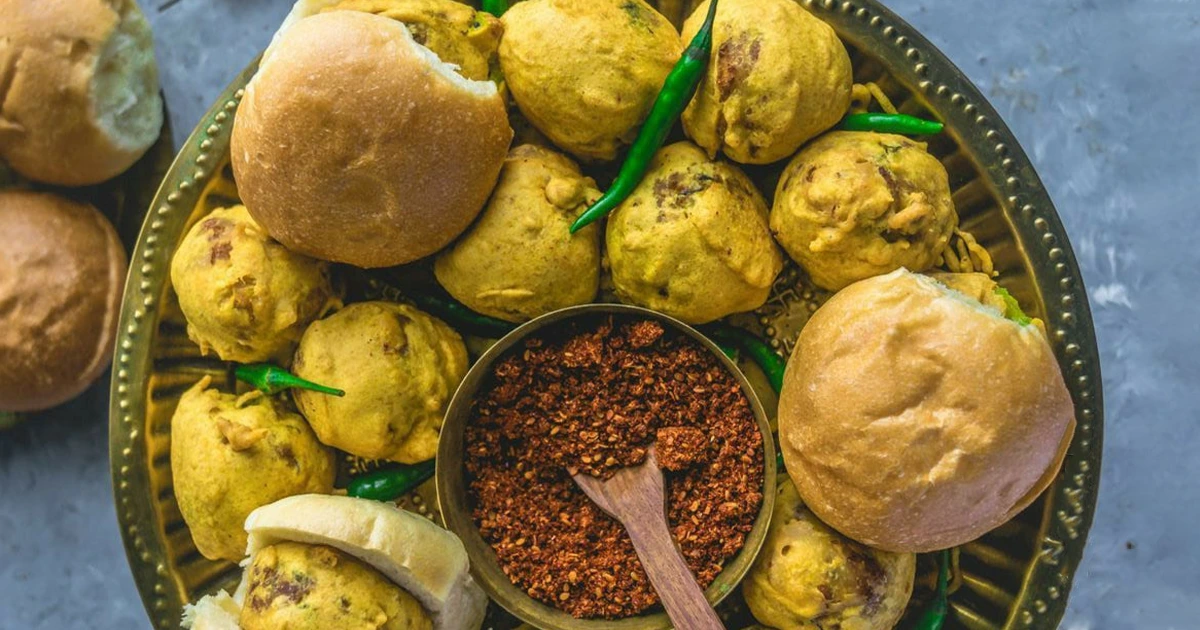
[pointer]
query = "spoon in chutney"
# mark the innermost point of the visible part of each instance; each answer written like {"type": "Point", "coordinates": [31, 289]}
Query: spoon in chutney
{"type": "Point", "coordinates": [635, 496]}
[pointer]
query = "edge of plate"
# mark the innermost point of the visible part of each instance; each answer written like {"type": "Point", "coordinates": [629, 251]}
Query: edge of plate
{"type": "Point", "coordinates": [172, 205]}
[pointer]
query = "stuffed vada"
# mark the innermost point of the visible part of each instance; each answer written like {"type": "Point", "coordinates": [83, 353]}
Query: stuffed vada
{"type": "Point", "coordinates": [585, 72]}
{"type": "Point", "coordinates": [316, 562]}
{"type": "Point", "coordinates": [692, 240]}
{"type": "Point", "coordinates": [399, 368]}
{"type": "Point", "coordinates": [915, 418]}
{"type": "Point", "coordinates": [519, 260]}
{"type": "Point", "coordinates": [808, 576]}
{"type": "Point", "coordinates": [777, 77]}
{"type": "Point", "coordinates": [852, 205]}
{"type": "Point", "coordinates": [246, 297]}
{"type": "Point", "coordinates": [232, 454]}
{"type": "Point", "coordinates": [455, 32]}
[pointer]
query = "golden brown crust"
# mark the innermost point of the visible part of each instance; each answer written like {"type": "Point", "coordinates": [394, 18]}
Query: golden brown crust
{"type": "Point", "coordinates": [914, 419]}
{"type": "Point", "coordinates": [62, 271]}
{"type": "Point", "coordinates": [50, 55]}
{"type": "Point", "coordinates": [371, 177]}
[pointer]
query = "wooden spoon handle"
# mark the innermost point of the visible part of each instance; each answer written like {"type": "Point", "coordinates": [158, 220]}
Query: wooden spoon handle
{"type": "Point", "coordinates": [671, 577]}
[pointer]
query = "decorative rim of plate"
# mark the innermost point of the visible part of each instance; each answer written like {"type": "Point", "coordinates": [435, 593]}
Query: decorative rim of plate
{"type": "Point", "coordinates": [913, 61]}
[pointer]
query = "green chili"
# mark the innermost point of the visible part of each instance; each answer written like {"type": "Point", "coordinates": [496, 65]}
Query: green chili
{"type": "Point", "coordinates": [763, 355]}
{"type": "Point", "coordinates": [495, 7]}
{"type": "Point", "coordinates": [459, 316]}
{"type": "Point", "coordinates": [891, 123]}
{"type": "Point", "coordinates": [934, 617]}
{"type": "Point", "coordinates": [676, 93]}
{"type": "Point", "coordinates": [1012, 308]}
{"type": "Point", "coordinates": [272, 379]}
{"type": "Point", "coordinates": [390, 484]}
{"type": "Point", "coordinates": [779, 467]}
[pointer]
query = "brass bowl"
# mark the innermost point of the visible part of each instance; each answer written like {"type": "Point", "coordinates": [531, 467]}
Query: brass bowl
{"type": "Point", "coordinates": [1015, 577]}
{"type": "Point", "coordinates": [455, 506]}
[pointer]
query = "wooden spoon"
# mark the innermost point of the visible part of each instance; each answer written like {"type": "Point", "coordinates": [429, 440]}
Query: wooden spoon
{"type": "Point", "coordinates": [635, 497]}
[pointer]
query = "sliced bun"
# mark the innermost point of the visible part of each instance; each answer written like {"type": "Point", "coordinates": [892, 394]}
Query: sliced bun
{"type": "Point", "coordinates": [357, 145]}
{"type": "Point", "coordinates": [81, 102]}
{"type": "Point", "coordinates": [62, 271]}
{"type": "Point", "coordinates": [212, 612]}
{"type": "Point", "coordinates": [914, 418]}
{"type": "Point", "coordinates": [424, 559]}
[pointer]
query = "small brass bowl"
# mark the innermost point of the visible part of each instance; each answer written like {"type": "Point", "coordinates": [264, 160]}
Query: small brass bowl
{"type": "Point", "coordinates": [456, 509]}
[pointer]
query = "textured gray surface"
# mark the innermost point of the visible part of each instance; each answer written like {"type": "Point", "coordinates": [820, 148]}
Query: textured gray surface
{"type": "Point", "coordinates": [1102, 95]}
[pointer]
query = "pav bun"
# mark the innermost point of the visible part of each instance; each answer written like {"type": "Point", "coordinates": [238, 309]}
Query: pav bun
{"type": "Point", "coordinates": [62, 271]}
{"type": "Point", "coordinates": [355, 144]}
{"type": "Point", "coordinates": [428, 562]}
{"type": "Point", "coordinates": [80, 100]}
{"type": "Point", "coordinates": [915, 418]}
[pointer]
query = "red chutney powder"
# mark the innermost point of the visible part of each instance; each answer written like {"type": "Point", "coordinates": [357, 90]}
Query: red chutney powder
{"type": "Point", "coordinates": [592, 396]}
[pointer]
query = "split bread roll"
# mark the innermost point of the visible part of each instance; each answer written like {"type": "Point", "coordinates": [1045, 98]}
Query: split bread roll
{"type": "Point", "coordinates": [62, 271]}
{"type": "Point", "coordinates": [428, 562]}
{"type": "Point", "coordinates": [915, 418]}
{"type": "Point", "coordinates": [355, 144]}
{"type": "Point", "coordinates": [80, 100]}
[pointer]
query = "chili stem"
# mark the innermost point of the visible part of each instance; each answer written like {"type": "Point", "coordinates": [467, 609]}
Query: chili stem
{"type": "Point", "coordinates": [272, 379]}
{"type": "Point", "coordinates": [676, 93]}
{"type": "Point", "coordinates": [891, 123]}
{"type": "Point", "coordinates": [390, 484]}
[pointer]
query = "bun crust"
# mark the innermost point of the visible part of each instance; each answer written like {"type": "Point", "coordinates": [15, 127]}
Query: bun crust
{"type": "Point", "coordinates": [356, 145]}
{"type": "Point", "coordinates": [913, 418]}
{"type": "Point", "coordinates": [62, 271]}
{"type": "Point", "coordinates": [79, 99]}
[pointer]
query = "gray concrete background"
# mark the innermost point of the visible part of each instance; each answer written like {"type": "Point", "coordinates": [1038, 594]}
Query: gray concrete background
{"type": "Point", "coordinates": [1103, 95]}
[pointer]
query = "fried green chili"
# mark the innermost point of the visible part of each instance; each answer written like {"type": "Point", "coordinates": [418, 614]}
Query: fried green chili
{"type": "Point", "coordinates": [495, 7]}
{"type": "Point", "coordinates": [676, 93]}
{"type": "Point", "coordinates": [891, 123]}
{"type": "Point", "coordinates": [390, 484]}
{"type": "Point", "coordinates": [1012, 308]}
{"type": "Point", "coordinates": [272, 379]}
{"type": "Point", "coordinates": [459, 316]}
{"type": "Point", "coordinates": [763, 355]}
{"type": "Point", "coordinates": [934, 617]}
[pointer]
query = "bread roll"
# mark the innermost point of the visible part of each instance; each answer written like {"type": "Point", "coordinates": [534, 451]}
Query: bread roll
{"type": "Point", "coordinates": [81, 102]}
{"type": "Point", "coordinates": [428, 561]}
{"type": "Point", "coordinates": [914, 418]}
{"type": "Point", "coordinates": [354, 144]}
{"type": "Point", "coordinates": [62, 270]}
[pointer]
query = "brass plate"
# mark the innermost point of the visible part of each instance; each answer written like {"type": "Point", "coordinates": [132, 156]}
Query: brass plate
{"type": "Point", "coordinates": [1017, 576]}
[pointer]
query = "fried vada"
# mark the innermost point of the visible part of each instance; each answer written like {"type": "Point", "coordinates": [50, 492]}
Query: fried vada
{"type": "Point", "coordinates": [809, 577]}
{"type": "Point", "coordinates": [232, 454]}
{"type": "Point", "coordinates": [519, 260]}
{"type": "Point", "coordinates": [399, 368]}
{"type": "Point", "coordinates": [852, 205]}
{"type": "Point", "coordinates": [777, 77]}
{"type": "Point", "coordinates": [585, 72]}
{"type": "Point", "coordinates": [456, 32]}
{"type": "Point", "coordinates": [692, 240]}
{"type": "Point", "coordinates": [246, 297]}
